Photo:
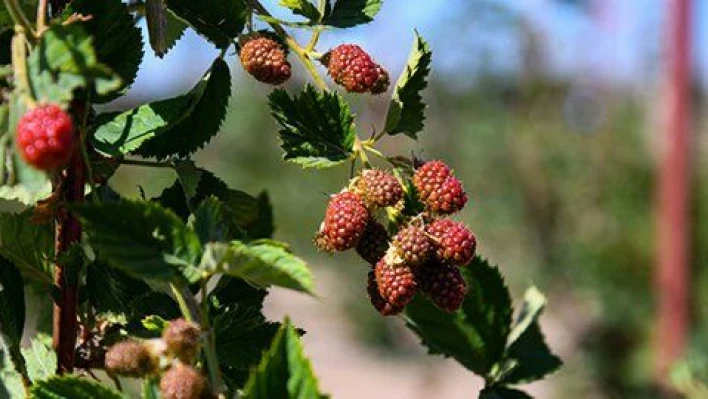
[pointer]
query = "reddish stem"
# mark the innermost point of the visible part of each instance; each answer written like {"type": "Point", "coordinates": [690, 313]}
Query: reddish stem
{"type": "Point", "coordinates": [67, 233]}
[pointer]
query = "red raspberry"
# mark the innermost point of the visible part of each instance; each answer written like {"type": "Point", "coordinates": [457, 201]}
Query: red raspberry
{"type": "Point", "coordinates": [443, 284]}
{"type": "Point", "coordinates": [345, 221]}
{"type": "Point", "coordinates": [383, 307]}
{"type": "Point", "coordinates": [130, 359]}
{"type": "Point", "coordinates": [182, 382]}
{"type": "Point", "coordinates": [45, 137]}
{"type": "Point", "coordinates": [373, 243]}
{"type": "Point", "coordinates": [265, 59]}
{"type": "Point", "coordinates": [439, 189]}
{"type": "Point", "coordinates": [412, 245]}
{"type": "Point", "coordinates": [454, 243]}
{"type": "Point", "coordinates": [397, 284]}
{"type": "Point", "coordinates": [379, 188]}
{"type": "Point", "coordinates": [182, 340]}
{"type": "Point", "coordinates": [353, 68]}
{"type": "Point", "coordinates": [429, 177]}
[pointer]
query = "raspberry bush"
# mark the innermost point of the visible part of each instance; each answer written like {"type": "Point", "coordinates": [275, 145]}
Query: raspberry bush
{"type": "Point", "coordinates": [167, 292]}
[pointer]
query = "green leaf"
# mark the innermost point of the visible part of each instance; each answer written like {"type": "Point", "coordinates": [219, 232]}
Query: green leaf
{"type": "Point", "coordinates": [110, 290]}
{"type": "Point", "coordinates": [531, 309]}
{"type": "Point", "coordinates": [503, 393]}
{"type": "Point", "coordinates": [176, 126]}
{"type": "Point", "coordinates": [64, 60]}
{"type": "Point", "coordinates": [11, 381]}
{"type": "Point", "coordinates": [151, 387]}
{"type": "Point", "coordinates": [317, 128]}
{"type": "Point", "coordinates": [202, 123]}
{"type": "Point", "coordinates": [29, 246]}
{"type": "Point", "coordinates": [348, 13]}
{"type": "Point", "coordinates": [406, 112]}
{"type": "Point", "coordinates": [164, 27]}
{"type": "Point", "coordinates": [116, 38]}
{"type": "Point", "coordinates": [262, 226]}
{"type": "Point", "coordinates": [262, 264]}
{"type": "Point", "coordinates": [528, 358]}
{"type": "Point", "coordinates": [72, 387]}
{"type": "Point", "coordinates": [302, 7]}
{"type": "Point", "coordinates": [209, 221]}
{"type": "Point", "coordinates": [40, 358]}
{"type": "Point", "coordinates": [476, 334]}
{"type": "Point", "coordinates": [189, 176]}
{"type": "Point", "coordinates": [12, 303]}
{"type": "Point", "coordinates": [231, 292]}
{"type": "Point", "coordinates": [242, 209]}
{"type": "Point", "coordinates": [284, 371]}
{"type": "Point", "coordinates": [18, 180]}
{"type": "Point", "coordinates": [12, 310]}
{"type": "Point", "coordinates": [242, 334]}
{"type": "Point", "coordinates": [141, 238]}
{"type": "Point", "coordinates": [220, 21]}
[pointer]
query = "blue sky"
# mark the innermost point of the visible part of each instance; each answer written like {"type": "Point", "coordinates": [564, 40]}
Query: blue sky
{"type": "Point", "coordinates": [617, 40]}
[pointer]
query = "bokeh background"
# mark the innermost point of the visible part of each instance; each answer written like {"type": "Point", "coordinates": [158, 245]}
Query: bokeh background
{"type": "Point", "coordinates": [550, 111]}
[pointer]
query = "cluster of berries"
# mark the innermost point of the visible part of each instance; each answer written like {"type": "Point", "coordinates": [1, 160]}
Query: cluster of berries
{"type": "Point", "coordinates": [425, 252]}
{"type": "Point", "coordinates": [171, 357]}
{"type": "Point", "coordinates": [265, 58]}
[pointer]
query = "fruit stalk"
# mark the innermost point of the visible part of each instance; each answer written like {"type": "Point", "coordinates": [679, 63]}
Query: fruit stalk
{"type": "Point", "coordinates": [67, 233]}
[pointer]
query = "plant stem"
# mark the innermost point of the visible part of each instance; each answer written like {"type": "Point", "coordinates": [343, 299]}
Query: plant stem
{"type": "Point", "coordinates": [19, 17]}
{"type": "Point", "coordinates": [301, 53]}
{"type": "Point", "coordinates": [67, 233]}
{"type": "Point", "coordinates": [19, 64]}
{"type": "Point", "coordinates": [41, 16]}
{"type": "Point", "coordinates": [191, 310]}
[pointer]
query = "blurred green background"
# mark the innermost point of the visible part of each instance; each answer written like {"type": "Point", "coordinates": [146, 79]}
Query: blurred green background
{"type": "Point", "coordinates": [549, 112]}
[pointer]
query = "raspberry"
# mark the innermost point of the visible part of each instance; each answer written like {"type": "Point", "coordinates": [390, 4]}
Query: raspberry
{"type": "Point", "coordinates": [429, 177]}
{"type": "Point", "coordinates": [45, 137]}
{"type": "Point", "coordinates": [130, 359]}
{"type": "Point", "coordinates": [373, 243]}
{"type": "Point", "coordinates": [438, 188]}
{"type": "Point", "coordinates": [379, 188]}
{"type": "Point", "coordinates": [443, 284]}
{"type": "Point", "coordinates": [383, 307]}
{"type": "Point", "coordinates": [397, 284]}
{"type": "Point", "coordinates": [182, 382]}
{"type": "Point", "coordinates": [454, 243]}
{"type": "Point", "coordinates": [350, 66]}
{"type": "Point", "coordinates": [182, 339]}
{"type": "Point", "coordinates": [412, 245]}
{"type": "Point", "coordinates": [265, 59]}
{"type": "Point", "coordinates": [345, 221]}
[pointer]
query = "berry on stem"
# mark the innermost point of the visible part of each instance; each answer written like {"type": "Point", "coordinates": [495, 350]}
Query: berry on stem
{"type": "Point", "coordinates": [182, 340]}
{"type": "Point", "coordinates": [412, 245]}
{"type": "Point", "coordinates": [379, 303]}
{"type": "Point", "coordinates": [397, 284]}
{"type": "Point", "coordinates": [443, 284]}
{"type": "Point", "coordinates": [439, 189]}
{"type": "Point", "coordinates": [182, 382]}
{"type": "Point", "coordinates": [265, 59]}
{"type": "Point", "coordinates": [345, 221]}
{"type": "Point", "coordinates": [454, 243]}
{"type": "Point", "coordinates": [45, 137]}
{"type": "Point", "coordinates": [373, 243]}
{"type": "Point", "coordinates": [351, 67]}
{"type": "Point", "coordinates": [130, 359]}
{"type": "Point", "coordinates": [379, 188]}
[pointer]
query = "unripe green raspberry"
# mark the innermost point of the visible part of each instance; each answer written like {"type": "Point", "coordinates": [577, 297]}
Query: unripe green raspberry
{"type": "Point", "coordinates": [182, 382]}
{"type": "Point", "coordinates": [182, 340]}
{"type": "Point", "coordinates": [130, 359]}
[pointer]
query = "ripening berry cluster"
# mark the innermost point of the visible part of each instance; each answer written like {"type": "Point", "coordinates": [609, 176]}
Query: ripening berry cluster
{"type": "Point", "coordinates": [427, 249]}
{"type": "Point", "coordinates": [45, 137]}
{"type": "Point", "coordinates": [172, 358]}
{"type": "Point", "coordinates": [265, 58]}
